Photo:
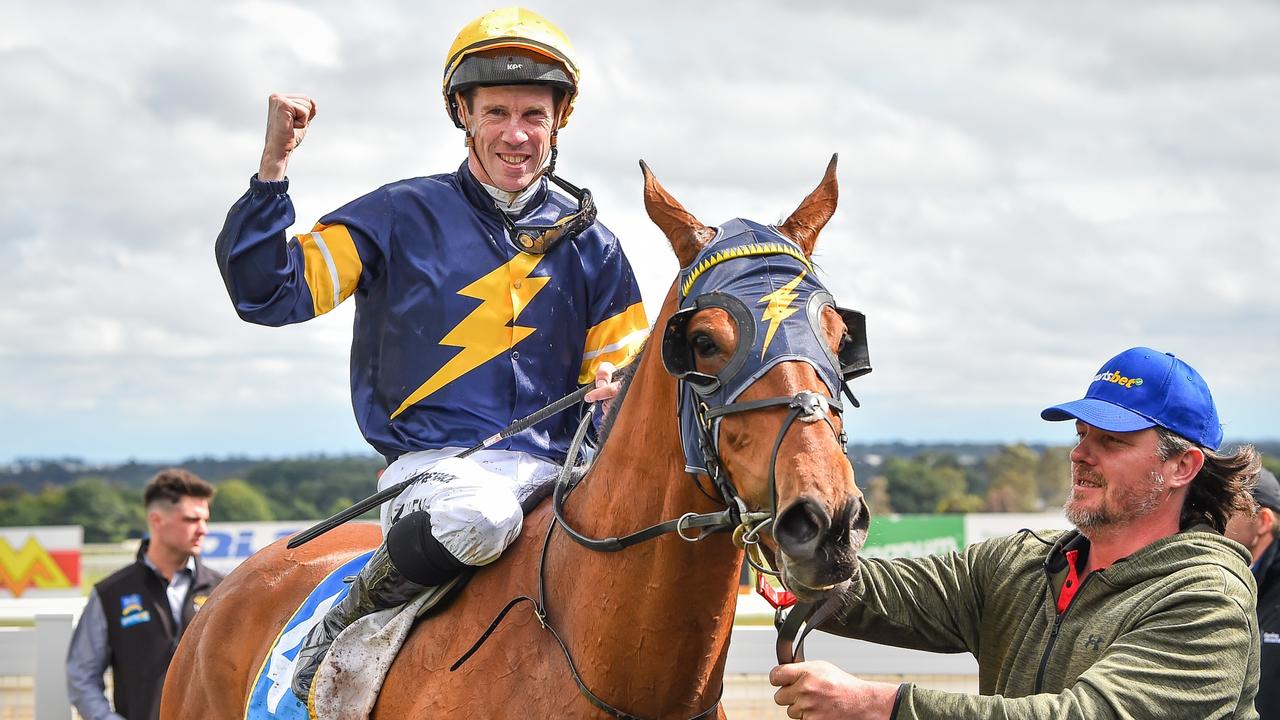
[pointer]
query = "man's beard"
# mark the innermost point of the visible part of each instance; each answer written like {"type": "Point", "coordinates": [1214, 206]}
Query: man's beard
{"type": "Point", "coordinates": [1134, 505]}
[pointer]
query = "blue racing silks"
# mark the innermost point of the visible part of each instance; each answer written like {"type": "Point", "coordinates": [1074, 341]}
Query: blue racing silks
{"type": "Point", "coordinates": [456, 333]}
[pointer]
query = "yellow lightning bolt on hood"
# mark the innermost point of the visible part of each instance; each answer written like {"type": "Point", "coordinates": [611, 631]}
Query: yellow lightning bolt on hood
{"type": "Point", "coordinates": [779, 308]}
{"type": "Point", "coordinates": [485, 333]}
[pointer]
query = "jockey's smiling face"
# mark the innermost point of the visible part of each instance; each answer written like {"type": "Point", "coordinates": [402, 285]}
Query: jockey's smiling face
{"type": "Point", "coordinates": [511, 130]}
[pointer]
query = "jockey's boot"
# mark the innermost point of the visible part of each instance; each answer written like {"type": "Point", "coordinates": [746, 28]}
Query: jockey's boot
{"type": "Point", "coordinates": [378, 586]}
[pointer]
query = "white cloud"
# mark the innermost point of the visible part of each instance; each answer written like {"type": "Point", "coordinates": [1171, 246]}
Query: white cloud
{"type": "Point", "coordinates": [1025, 190]}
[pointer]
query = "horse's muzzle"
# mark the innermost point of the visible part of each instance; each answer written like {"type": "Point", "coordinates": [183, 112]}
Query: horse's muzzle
{"type": "Point", "coordinates": [819, 552]}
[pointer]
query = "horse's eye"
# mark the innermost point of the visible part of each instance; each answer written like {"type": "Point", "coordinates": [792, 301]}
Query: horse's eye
{"type": "Point", "coordinates": [703, 345]}
{"type": "Point", "coordinates": [845, 339]}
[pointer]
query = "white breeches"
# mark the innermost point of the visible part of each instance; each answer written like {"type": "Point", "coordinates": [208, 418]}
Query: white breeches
{"type": "Point", "coordinates": [474, 501]}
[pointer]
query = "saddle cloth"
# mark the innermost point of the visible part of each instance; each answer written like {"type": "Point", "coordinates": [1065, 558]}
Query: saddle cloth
{"type": "Point", "coordinates": [348, 681]}
{"type": "Point", "coordinates": [271, 698]}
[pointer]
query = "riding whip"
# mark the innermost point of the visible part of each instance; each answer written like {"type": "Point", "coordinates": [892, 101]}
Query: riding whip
{"type": "Point", "coordinates": [382, 496]}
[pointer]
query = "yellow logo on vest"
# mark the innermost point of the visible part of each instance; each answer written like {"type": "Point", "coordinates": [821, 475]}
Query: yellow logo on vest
{"type": "Point", "coordinates": [132, 611]}
{"type": "Point", "coordinates": [1115, 377]}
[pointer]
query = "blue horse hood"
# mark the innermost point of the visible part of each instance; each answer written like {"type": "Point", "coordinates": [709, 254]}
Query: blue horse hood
{"type": "Point", "coordinates": [774, 282]}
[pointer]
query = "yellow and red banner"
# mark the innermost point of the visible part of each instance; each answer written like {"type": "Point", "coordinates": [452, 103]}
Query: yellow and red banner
{"type": "Point", "coordinates": [40, 561]}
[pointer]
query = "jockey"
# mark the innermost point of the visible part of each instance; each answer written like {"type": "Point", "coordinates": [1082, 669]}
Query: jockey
{"type": "Point", "coordinates": [481, 295]}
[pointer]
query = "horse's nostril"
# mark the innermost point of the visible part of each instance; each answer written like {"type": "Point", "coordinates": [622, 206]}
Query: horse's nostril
{"type": "Point", "coordinates": [861, 515]}
{"type": "Point", "coordinates": [800, 528]}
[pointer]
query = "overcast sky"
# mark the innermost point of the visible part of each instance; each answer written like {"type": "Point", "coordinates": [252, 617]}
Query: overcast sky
{"type": "Point", "coordinates": [1026, 190]}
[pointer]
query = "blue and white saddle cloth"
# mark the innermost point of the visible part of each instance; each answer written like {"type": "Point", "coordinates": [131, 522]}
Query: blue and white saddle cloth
{"type": "Point", "coordinates": [272, 699]}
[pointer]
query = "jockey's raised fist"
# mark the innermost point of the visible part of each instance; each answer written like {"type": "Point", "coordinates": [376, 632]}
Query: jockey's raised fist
{"type": "Point", "coordinates": [288, 117]}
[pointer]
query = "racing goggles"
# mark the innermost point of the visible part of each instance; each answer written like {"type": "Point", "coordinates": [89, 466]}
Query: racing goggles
{"type": "Point", "coordinates": [539, 239]}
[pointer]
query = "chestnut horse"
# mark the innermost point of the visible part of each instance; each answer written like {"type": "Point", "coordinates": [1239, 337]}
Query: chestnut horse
{"type": "Point", "coordinates": [647, 628]}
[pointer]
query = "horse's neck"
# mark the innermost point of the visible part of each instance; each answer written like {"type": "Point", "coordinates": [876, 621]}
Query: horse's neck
{"type": "Point", "coordinates": [653, 620]}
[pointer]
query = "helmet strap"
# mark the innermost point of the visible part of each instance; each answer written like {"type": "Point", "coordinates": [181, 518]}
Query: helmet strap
{"type": "Point", "coordinates": [464, 120]}
{"type": "Point", "coordinates": [555, 136]}
{"type": "Point", "coordinates": [551, 164]}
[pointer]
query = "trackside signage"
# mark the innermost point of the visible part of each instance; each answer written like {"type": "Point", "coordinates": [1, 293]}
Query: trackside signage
{"type": "Point", "coordinates": [914, 535]}
{"type": "Point", "coordinates": [920, 535]}
{"type": "Point", "coordinates": [229, 544]}
{"type": "Point", "coordinates": [41, 561]}
{"type": "Point", "coordinates": [984, 526]}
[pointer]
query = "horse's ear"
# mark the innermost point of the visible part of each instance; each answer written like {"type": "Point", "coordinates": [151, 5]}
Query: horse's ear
{"type": "Point", "coordinates": [686, 235]}
{"type": "Point", "coordinates": [808, 220]}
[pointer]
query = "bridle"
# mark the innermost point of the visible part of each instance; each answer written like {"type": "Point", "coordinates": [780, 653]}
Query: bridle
{"type": "Point", "coordinates": [706, 399]}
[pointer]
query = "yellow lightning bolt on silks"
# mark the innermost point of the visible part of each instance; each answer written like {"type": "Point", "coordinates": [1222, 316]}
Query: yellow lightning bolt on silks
{"type": "Point", "coordinates": [779, 308]}
{"type": "Point", "coordinates": [483, 334]}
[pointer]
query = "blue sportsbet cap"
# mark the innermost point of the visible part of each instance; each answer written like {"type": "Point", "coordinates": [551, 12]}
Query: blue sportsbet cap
{"type": "Point", "coordinates": [1142, 388]}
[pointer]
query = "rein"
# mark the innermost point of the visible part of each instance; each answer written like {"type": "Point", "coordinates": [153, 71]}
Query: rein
{"type": "Point", "coordinates": [539, 607]}
{"type": "Point", "coordinates": [715, 521]}
{"type": "Point", "coordinates": [734, 515]}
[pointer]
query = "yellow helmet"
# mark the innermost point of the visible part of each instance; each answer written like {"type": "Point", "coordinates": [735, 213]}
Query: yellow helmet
{"type": "Point", "coordinates": [543, 56]}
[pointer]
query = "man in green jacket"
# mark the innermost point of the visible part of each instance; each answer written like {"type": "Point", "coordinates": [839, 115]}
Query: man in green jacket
{"type": "Point", "coordinates": [1143, 611]}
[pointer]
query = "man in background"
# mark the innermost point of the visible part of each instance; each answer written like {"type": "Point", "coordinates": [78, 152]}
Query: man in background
{"type": "Point", "coordinates": [134, 618]}
{"type": "Point", "coordinates": [1257, 531]}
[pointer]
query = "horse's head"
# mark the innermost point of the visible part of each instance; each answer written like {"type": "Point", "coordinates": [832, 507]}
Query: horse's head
{"type": "Point", "coordinates": [761, 352]}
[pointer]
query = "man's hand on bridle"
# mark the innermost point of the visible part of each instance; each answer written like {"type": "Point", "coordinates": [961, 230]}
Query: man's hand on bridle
{"type": "Point", "coordinates": [818, 690]}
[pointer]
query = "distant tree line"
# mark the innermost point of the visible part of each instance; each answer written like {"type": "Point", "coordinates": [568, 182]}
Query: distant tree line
{"type": "Point", "coordinates": [111, 511]}
{"type": "Point", "coordinates": [914, 479]}
{"type": "Point", "coordinates": [1015, 478]}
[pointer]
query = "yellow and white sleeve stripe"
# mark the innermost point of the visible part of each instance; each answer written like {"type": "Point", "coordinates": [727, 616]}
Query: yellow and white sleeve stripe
{"type": "Point", "coordinates": [332, 265]}
{"type": "Point", "coordinates": [616, 340]}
